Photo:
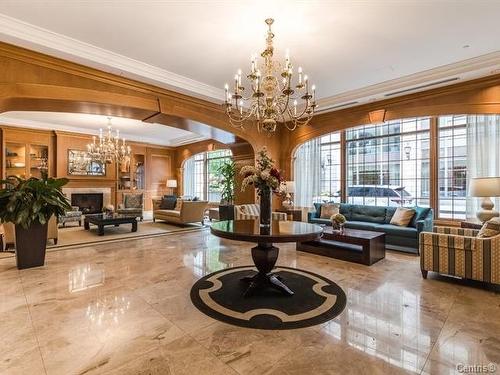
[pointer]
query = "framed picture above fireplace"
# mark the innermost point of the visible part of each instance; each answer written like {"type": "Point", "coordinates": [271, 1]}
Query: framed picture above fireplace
{"type": "Point", "coordinates": [80, 165]}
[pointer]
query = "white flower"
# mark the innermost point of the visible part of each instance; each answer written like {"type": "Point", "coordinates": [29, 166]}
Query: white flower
{"type": "Point", "coordinates": [248, 169]}
{"type": "Point", "coordinates": [265, 175]}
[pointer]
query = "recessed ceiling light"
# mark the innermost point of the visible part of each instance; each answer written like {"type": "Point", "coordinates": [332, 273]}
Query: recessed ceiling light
{"type": "Point", "coordinates": [466, 46]}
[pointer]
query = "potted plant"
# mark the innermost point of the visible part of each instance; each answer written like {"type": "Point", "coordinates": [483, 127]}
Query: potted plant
{"type": "Point", "coordinates": [29, 204]}
{"type": "Point", "coordinates": [227, 172]}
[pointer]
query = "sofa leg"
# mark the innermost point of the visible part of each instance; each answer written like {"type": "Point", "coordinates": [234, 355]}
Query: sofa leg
{"type": "Point", "coordinates": [154, 220]}
{"type": "Point", "coordinates": [55, 241]}
{"type": "Point", "coordinates": [79, 223]}
{"type": "Point", "coordinates": [424, 273]}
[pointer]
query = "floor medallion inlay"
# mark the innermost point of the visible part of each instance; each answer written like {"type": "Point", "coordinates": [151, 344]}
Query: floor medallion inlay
{"type": "Point", "coordinates": [316, 300]}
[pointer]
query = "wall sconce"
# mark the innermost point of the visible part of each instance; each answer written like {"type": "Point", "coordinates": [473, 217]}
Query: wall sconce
{"type": "Point", "coordinates": [407, 150]}
{"type": "Point", "coordinates": [377, 117]}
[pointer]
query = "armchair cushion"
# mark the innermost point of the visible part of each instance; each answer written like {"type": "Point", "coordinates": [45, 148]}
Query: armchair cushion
{"type": "Point", "coordinates": [490, 229]}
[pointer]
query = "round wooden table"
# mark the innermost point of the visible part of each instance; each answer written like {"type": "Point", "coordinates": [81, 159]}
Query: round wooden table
{"type": "Point", "coordinates": [265, 255]}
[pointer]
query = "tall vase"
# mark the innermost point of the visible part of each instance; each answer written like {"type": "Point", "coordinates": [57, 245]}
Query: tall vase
{"type": "Point", "coordinates": [265, 207]}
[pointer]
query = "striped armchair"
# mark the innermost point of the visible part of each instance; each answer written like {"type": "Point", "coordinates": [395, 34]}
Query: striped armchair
{"type": "Point", "coordinates": [458, 252]}
{"type": "Point", "coordinates": [252, 211]}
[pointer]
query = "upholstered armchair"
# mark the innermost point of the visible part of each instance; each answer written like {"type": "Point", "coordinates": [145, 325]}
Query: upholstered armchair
{"type": "Point", "coordinates": [73, 215]}
{"type": "Point", "coordinates": [458, 252]}
{"type": "Point", "coordinates": [252, 212]}
{"type": "Point", "coordinates": [133, 204]}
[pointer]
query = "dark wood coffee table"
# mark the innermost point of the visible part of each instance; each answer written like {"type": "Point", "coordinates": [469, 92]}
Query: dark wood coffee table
{"type": "Point", "coordinates": [354, 245]}
{"type": "Point", "coordinates": [101, 220]}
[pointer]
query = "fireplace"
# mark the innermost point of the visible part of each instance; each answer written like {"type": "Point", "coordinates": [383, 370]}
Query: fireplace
{"type": "Point", "coordinates": [89, 203]}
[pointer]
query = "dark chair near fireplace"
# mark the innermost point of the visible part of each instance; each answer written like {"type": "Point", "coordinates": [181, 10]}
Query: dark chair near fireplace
{"type": "Point", "coordinates": [133, 204]}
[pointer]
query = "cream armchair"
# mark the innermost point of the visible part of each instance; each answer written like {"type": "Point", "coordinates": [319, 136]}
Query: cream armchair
{"type": "Point", "coordinates": [252, 212]}
{"type": "Point", "coordinates": [190, 212]}
{"type": "Point", "coordinates": [458, 252]}
{"type": "Point", "coordinates": [9, 233]}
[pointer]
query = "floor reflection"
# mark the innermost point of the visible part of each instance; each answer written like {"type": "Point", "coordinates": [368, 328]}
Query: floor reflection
{"type": "Point", "coordinates": [392, 332]}
{"type": "Point", "coordinates": [107, 310]}
{"type": "Point", "coordinates": [85, 277]}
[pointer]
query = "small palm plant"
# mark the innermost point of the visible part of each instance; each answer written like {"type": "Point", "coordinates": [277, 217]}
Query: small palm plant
{"type": "Point", "coordinates": [227, 173]}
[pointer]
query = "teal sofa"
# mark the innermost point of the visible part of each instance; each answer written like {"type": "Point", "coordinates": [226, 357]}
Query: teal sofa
{"type": "Point", "coordinates": [378, 219]}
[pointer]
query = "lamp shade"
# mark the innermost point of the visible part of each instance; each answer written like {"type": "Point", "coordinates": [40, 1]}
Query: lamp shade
{"type": "Point", "coordinates": [485, 187]}
{"type": "Point", "coordinates": [290, 186]}
{"type": "Point", "coordinates": [172, 183]}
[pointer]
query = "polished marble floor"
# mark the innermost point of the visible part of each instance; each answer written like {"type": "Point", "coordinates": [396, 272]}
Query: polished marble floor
{"type": "Point", "coordinates": [124, 308]}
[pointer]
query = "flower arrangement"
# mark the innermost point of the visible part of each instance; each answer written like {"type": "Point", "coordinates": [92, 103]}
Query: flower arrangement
{"type": "Point", "coordinates": [338, 221]}
{"type": "Point", "coordinates": [264, 176]}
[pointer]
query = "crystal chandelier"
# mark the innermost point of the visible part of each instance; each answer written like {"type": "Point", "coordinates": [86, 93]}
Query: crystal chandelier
{"type": "Point", "coordinates": [108, 148]}
{"type": "Point", "coordinates": [272, 96]}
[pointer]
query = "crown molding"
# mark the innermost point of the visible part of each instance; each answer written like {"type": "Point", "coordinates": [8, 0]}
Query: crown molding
{"type": "Point", "coordinates": [465, 70]}
{"type": "Point", "coordinates": [45, 41]}
{"type": "Point", "coordinates": [29, 36]}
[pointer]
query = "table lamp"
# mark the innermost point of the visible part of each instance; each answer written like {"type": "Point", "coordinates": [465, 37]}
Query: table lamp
{"type": "Point", "coordinates": [290, 189]}
{"type": "Point", "coordinates": [172, 184]}
{"type": "Point", "coordinates": [485, 188]}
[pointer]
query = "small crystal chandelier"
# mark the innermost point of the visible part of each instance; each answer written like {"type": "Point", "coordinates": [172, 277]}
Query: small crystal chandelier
{"type": "Point", "coordinates": [273, 97]}
{"type": "Point", "coordinates": [108, 149]}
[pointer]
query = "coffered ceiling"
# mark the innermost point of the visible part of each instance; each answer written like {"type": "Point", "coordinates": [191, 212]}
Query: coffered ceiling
{"type": "Point", "coordinates": [355, 51]}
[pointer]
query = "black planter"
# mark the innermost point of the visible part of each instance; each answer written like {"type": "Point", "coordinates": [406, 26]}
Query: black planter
{"type": "Point", "coordinates": [30, 245]}
{"type": "Point", "coordinates": [265, 207]}
{"type": "Point", "coordinates": [226, 212]}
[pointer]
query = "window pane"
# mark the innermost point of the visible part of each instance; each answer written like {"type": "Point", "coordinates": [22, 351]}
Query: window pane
{"type": "Point", "coordinates": [388, 164]}
{"type": "Point", "coordinates": [452, 174]}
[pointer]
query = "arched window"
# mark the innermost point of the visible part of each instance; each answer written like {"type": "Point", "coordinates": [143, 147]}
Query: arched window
{"type": "Point", "coordinates": [200, 176]}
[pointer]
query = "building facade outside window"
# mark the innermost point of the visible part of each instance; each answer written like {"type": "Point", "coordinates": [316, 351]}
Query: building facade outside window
{"type": "Point", "coordinates": [388, 164]}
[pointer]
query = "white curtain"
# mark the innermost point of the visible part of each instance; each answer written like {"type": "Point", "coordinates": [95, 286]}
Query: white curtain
{"type": "Point", "coordinates": [483, 157]}
{"type": "Point", "coordinates": [307, 173]}
{"type": "Point", "coordinates": [188, 178]}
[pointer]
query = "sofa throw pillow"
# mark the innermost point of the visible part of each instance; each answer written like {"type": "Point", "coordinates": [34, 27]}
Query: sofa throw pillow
{"type": "Point", "coordinates": [328, 210]}
{"type": "Point", "coordinates": [168, 203]}
{"type": "Point", "coordinates": [178, 204]}
{"type": "Point", "coordinates": [490, 229]}
{"type": "Point", "coordinates": [402, 216]}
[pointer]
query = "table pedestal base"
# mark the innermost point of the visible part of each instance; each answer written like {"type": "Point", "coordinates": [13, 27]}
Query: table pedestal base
{"type": "Point", "coordinates": [264, 256]}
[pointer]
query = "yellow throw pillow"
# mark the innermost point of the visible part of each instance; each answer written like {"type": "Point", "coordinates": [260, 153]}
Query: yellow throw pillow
{"type": "Point", "coordinates": [402, 216]}
{"type": "Point", "coordinates": [178, 204]}
{"type": "Point", "coordinates": [328, 210]}
{"type": "Point", "coordinates": [490, 229]}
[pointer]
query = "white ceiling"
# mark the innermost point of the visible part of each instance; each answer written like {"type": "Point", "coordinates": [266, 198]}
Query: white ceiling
{"type": "Point", "coordinates": [132, 130]}
{"type": "Point", "coordinates": [352, 50]}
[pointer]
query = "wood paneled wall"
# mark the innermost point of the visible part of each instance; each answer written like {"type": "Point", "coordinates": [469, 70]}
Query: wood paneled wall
{"type": "Point", "coordinates": [158, 160]}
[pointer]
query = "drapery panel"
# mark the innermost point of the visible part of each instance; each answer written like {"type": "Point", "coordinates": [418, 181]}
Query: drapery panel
{"type": "Point", "coordinates": [307, 173]}
{"type": "Point", "coordinates": [483, 156]}
{"type": "Point", "coordinates": [188, 178]}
